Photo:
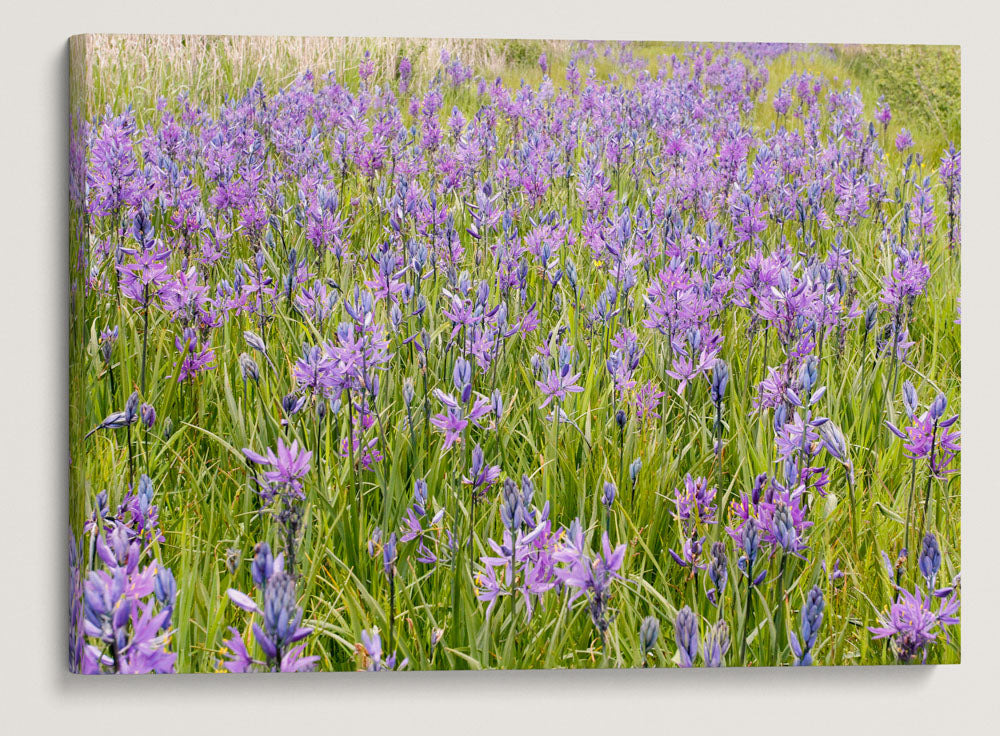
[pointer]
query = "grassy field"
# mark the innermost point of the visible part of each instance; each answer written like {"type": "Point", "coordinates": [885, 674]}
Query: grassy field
{"type": "Point", "coordinates": [645, 227]}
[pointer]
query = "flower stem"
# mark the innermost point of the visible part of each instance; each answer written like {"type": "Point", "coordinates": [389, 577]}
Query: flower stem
{"type": "Point", "coordinates": [780, 624]}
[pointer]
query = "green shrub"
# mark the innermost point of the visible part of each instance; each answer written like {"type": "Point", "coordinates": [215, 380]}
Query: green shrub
{"type": "Point", "coordinates": [922, 84]}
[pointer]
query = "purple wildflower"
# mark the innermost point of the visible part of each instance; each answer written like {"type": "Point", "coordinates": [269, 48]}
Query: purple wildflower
{"type": "Point", "coordinates": [911, 624]}
{"type": "Point", "coordinates": [289, 465]}
{"type": "Point", "coordinates": [590, 576]}
{"type": "Point", "coordinates": [686, 636]}
{"type": "Point", "coordinates": [811, 619]}
{"type": "Point", "coordinates": [372, 656]}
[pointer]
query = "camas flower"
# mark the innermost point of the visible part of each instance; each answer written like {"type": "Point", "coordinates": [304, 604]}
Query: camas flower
{"type": "Point", "coordinates": [783, 521]}
{"type": "Point", "coordinates": [125, 418]}
{"type": "Point", "coordinates": [811, 619]}
{"type": "Point", "coordinates": [690, 553]}
{"type": "Point", "coordinates": [929, 561]}
{"type": "Point", "coordinates": [647, 399]}
{"type": "Point", "coordinates": [621, 214]}
{"type": "Point", "coordinates": [590, 576]}
{"type": "Point", "coordinates": [557, 385]}
{"type": "Point", "coordinates": [911, 624]}
{"type": "Point", "coordinates": [694, 502]}
{"type": "Point", "coordinates": [481, 476]}
{"type": "Point", "coordinates": [372, 657]}
{"type": "Point", "coordinates": [717, 572]}
{"type": "Point", "coordinates": [195, 357]}
{"type": "Point", "coordinates": [124, 610]}
{"type": "Point", "coordinates": [281, 616]}
{"type": "Point", "coordinates": [686, 636]}
{"type": "Point", "coordinates": [608, 495]}
{"type": "Point", "coordinates": [458, 416]}
{"type": "Point", "coordinates": [649, 631]}
{"type": "Point", "coordinates": [932, 438]}
{"type": "Point", "coordinates": [904, 140]}
{"type": "Point", "coordinates": [316, 372]}
{"type": "Point", "coordinates": [716, 644]}
{"type": "Point", "coordinates": [289, 465]}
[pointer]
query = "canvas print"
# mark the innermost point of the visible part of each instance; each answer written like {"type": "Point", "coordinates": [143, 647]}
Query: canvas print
{"type": "Point", "coordinates": [417, 354]}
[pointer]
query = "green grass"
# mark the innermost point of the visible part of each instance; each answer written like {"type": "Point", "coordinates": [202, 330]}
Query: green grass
{"type": "Point", "coordinates": [922, 84]}
{"type": "Point", "coordinates": [207, 505]}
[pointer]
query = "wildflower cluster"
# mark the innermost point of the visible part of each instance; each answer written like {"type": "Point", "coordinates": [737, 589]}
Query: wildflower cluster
{"type": "Point", "coordinates": [122, 598]}
{"type": "Point", "coordinates": [480, 364]}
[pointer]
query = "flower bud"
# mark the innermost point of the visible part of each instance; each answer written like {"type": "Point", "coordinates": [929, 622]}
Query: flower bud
{"type": "Point", "coordinates": [621, 418]}
{"type": "Point", "coordinates": [910, 400]}
{"type": "Point", "coordinates": [148, 415]}
{"type": "Point", "coordinates": [496, 403]}
{"type": "Point", "coordinates": [608, 497]}
{"type": "Point", "coordinates": [262, 566]}
{"type": "Point", "coordinates": [716, 644]}
{"type": "Point", "coordinates": [649, 631]}
{"type": "Point", "coordinates": [634, 468]}
{"type": "Point", "coordinates": [686, 636]}
{"type": "Point", "coordinates": [871, 317]}
{"type": "Point", "coordinates": [248, 368]}
{"type": "Point", "coordinates": [938, 406]}
{"type": "Point", "coordinates": [132, 408]}
{"type": "Point", "coordinates": [720, 378]}
{"type": "Point", "coordinates": [929, 561]}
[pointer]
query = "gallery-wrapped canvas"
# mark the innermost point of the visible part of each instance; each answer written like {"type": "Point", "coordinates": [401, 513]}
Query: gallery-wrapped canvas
{"type": "Point", "coordinates": [425, 354]}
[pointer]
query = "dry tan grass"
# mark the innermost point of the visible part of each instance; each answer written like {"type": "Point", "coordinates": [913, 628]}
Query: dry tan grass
{"type": "Point", "coordinates": [210, 67]}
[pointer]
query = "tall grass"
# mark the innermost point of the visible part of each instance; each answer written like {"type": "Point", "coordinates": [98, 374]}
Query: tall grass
{"type": "Point", "coordinates": [208, 507]}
